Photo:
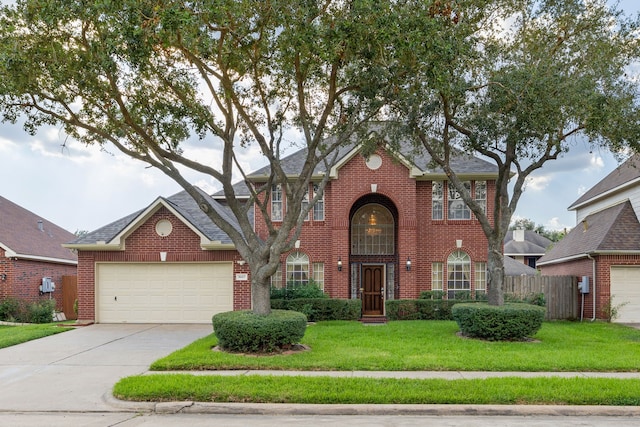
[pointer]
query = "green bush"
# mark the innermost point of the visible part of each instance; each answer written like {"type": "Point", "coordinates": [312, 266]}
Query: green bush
{"type": "Point", "coordinates": [41, 311]}
{"type": "Point", "coordinates": [420, 309]}
{"type": "Point", "coordinates": [512, 321]}
{"type": "Point", "coordinates": [247, 332]}
{"type": "Point", "coordinates": [294, 291]}
{"type": "Point", "coordinates": [431, 295]}
{"type": "Point", "coordinates": [318, 309]}
{"type": "Point", "coordinates": [16, 310]}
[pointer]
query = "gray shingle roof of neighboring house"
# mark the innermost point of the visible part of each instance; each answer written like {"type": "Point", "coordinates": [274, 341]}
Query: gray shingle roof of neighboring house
{"type": "Point", "coordinates": [533, 244]}
{"type": "Point", "coordinates": [184, 204]}
{"type": "Point", "coordinates": [516, 268]}
{"type": "Point", "coordinates": [615, 229]}
{"type": "Point", "coordinates": [621, 176]}
{"type": "Point", "coordinates": [23, 234]}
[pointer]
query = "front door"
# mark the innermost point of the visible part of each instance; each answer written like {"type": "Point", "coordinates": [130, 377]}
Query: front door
{"type": "Point", "coordinates": [373, 290]}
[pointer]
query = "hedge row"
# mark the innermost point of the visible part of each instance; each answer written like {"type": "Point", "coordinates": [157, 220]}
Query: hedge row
{"type": "Point", "coordinates": [318, 309]}
{"type": "Point", "coordinates": [419, 309]}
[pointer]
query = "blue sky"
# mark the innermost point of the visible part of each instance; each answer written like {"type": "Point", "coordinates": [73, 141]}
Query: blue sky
{"type": "Point", "coordinates": [84, 188]}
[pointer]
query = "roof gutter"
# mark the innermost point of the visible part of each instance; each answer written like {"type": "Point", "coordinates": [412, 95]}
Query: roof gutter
{"type": "Point", "coordinates": [561, 260]}
{"type": "Point", "coordinates": [12, 254]}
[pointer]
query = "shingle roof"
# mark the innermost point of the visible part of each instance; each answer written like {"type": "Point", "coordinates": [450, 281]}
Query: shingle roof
{"type": "Point", "coordinates": [623, 174]}
{"type": "Point", "coordinates": [533, 244]}
{"type": "Point", "coordinates": [613, 229]}
{"type": "Point", "coordinates": [184, 204]}
{"type": "Point", "coordinates": [20, 233]}
{"type": "Point", "coordinates": [517, 268]}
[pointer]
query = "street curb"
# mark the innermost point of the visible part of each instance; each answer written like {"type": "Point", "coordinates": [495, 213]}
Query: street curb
{"type": "Point", "coordinates": [190, 407]}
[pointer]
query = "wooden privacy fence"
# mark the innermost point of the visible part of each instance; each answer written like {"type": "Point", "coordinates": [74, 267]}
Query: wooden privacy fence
{"type": "Point", "coordinates": [69, 296]}
{"type": "Point", "coordinates": [560, 293]}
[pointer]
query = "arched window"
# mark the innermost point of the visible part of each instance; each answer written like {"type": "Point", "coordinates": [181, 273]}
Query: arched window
{"type": "Point", "coordinates": [372, 231]}
{"type": "Point", "coordinates": [297, 269]}
{"type": "Point", "coordinates": [458, 274]}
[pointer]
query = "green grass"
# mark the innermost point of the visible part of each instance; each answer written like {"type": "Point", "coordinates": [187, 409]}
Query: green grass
{"type": "Point", "coordinates": [12, 335]}
{"type": "Point", "coordinates": [431, 345]}
{"type": "Point", "coordinates": [326, 390]}
{"type": "Point", "coordinates": [408, 345]}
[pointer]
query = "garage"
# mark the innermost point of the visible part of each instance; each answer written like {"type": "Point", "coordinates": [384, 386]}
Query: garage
{"type": "Point", "coordinates": [625, 293]}
{"type": "Point", "coordinates": [162, 292]}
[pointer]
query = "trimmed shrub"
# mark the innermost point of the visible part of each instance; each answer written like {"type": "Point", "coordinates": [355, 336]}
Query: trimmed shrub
{"type": "Point", "coordinates": [509, 322]}
{"type": "Point", "coordinates": [420, 309]}
{"type": "Point", "coordinates": [247, 332]}
{"type": "Point", "coordinates": [318, 309]}
{"type": "Point", "coordinates": [16, 310]}
{"type": "Point", "coordinates": [293, 291]}
{"type": "Point", "coordinates": [11, 309]}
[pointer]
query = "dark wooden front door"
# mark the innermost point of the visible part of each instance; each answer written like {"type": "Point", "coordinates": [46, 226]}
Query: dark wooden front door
{"type": "Point", "coordinates": [373, 290]}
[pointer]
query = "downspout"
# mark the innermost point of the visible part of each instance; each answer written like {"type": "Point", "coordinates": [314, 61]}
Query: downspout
{"type": "Point", "coordinates": [593, 288]}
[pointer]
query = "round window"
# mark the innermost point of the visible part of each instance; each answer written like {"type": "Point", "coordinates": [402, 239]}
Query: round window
{"type": "Point", "coordinates": [164, 227]}
{"type": "Point", "coordinates": [374, 162]}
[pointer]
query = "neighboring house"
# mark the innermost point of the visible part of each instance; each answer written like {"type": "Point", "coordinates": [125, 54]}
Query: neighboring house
{"type": "Point", "coordinates": [31, 254]}
{"type": "Point", "coordinates": [517, 268]}
{"type": "Point", "coordinates": [387, 227]}
{"type": "Point", "coordinates": [525, 246]}
{"type": "Point", "coordinates": [605, 245]}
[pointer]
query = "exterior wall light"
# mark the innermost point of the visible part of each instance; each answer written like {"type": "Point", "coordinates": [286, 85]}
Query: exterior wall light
{"type": "Point", "coordinates": [408, 264]}
{"type": "Point", "coordinates": [339, 264]}
{"type": "Point", "coordinates": [3, 277]}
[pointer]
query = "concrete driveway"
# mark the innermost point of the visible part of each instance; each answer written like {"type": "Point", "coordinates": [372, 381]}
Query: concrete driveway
{"type": "Point", "coordinates": [74, 370]}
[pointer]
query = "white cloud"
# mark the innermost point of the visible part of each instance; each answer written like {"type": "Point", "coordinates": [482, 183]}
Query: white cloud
{"type": "Point", "coordinates": [538, 183]}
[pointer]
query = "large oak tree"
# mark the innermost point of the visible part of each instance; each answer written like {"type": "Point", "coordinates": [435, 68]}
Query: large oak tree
{"type": "Point", "coordinates": [516, 82]}
{"type": "Point", "coordinates": [144, 76]}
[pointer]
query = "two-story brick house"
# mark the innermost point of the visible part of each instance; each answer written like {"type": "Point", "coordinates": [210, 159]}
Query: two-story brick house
{"type": "Point", "coordinates": [388, 227]}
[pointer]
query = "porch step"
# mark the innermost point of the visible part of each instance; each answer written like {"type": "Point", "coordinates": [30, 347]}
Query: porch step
{"type": "Point", "coordinates": [373, 320]}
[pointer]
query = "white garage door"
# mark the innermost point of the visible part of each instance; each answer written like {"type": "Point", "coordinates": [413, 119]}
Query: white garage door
{"type": "Point", "coordinates": [625, 291]}
{"type": "Point", "coordinates": [162, 292]}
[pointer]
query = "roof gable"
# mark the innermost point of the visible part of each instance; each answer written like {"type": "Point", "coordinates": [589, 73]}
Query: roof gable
{"type": "Point", "coordinates": [615, 229]}
{"type": "Point", "coordinates": [181, 205]}
{"type": "Point", "coordinates": [623, 176]}
{"type": "Point", "coordinates": [533, 244]}
{"type": "Point", "coordinates": [24, 234]}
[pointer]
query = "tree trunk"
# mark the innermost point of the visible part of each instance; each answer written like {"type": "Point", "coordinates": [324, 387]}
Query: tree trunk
{"type": "Point", "coordinates": [260, 296]}
{"type": "Point", "coordinates": [495, 273]}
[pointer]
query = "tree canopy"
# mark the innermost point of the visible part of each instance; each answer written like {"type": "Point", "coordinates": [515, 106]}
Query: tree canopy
{"type": "Point", "coordinates": [145, 76]}
{"type": "Point", "coordinates": [516, 82]}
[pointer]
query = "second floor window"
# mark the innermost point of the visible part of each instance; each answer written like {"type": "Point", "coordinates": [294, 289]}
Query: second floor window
{"type": "Point", "coordinates": [458, 209]}
{"type": "Point", "coordinates": [481, 194]}
{"type": "Point", "coordinates": [437, 198]}
{"type": "Point", "coordinates": [318, 208]}
{"type": "Point", "coordinates": [276, 203]}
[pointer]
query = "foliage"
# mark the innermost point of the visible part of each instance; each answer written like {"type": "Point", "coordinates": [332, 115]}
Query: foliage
{"type": "Point", "coordinates": [153, 79]}
{"type": "Point", "coordinates": [527, 224]}
{"type": "Point", "coordinates": [320, 309]}
{"type": "Point", "coordinates": [611, 310]}
{"type": "Point", "coordinates": [517, 83]}
{"type": "Point", "coordinates": [431, 295]}
{"type": "Point", "coordinates": [498, 323]}
{"type": "Point", "coordinates": [420, 309]}
{"type": "Point", "coordinates": [308, 290]}
{"type": "Point", "coordinates": [20, 311]}
{"type": "Point", "coordinates": [247, 332]}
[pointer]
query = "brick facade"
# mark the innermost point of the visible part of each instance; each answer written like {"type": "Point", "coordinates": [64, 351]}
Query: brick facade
{"type": "Point", "coordinates": [24, 277]}
{"type": "Point", "coordinates": [145, 245]}
{"type": "Point", "coordinates": [418, 237]}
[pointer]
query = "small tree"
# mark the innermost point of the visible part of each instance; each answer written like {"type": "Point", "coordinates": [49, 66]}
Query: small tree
{"type": "Point", "coordinates": [515, 81]}
{"type": "Point", "coordinates": [145, 76]}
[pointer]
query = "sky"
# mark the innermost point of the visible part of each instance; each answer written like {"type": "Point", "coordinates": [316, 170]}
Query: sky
{"type": "Point", "coordinates": [84, 188]}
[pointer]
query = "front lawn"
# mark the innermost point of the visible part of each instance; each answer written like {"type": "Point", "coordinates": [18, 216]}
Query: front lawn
{"type": "Point", "coordinates": [430, 346]}
{"type": "Point", "coordinates": [12, 335]}
{"type": "Point", "coordinates": [408, 345]}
